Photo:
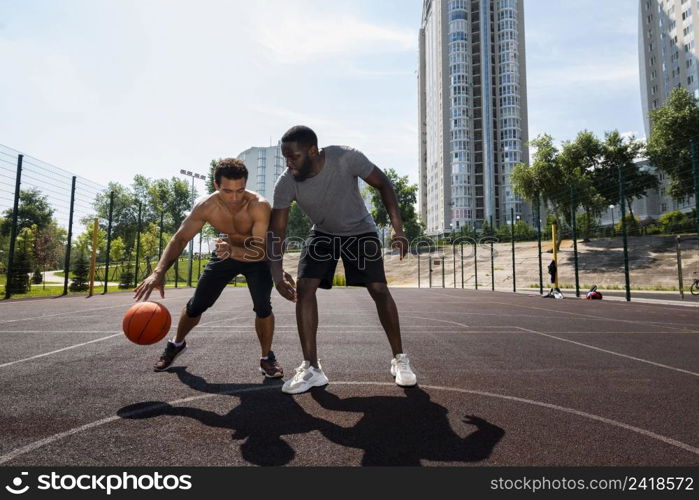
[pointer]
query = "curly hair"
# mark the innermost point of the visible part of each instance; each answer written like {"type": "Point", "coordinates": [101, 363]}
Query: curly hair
{"type": "Point", "coordinates": [230, 168]}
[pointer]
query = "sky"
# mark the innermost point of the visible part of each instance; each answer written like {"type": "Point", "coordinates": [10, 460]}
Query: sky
{"type": "Point", "coordinates": [108, 89]}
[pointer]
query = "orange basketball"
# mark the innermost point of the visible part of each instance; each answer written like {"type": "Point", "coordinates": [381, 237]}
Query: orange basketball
{"type": "Point", "coordinates": [146, 322]}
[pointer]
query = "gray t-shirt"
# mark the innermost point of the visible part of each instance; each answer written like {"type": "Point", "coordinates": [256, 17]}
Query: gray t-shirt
{"type": "Point", "coordinates": [331, 198]}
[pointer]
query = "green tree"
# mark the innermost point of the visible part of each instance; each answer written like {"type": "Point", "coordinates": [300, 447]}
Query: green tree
{"type": "Point", "coordinates": [149, 245]}
{"type": "Point", "coordinates": [172, 197]}
{"type": "Point", "coordinates": [406, 194]}
{"type": "Point", "coordinates": [668, 149]}
{"type": "Point", "coordinates": [48, 246]}
{"type": "Point", "coordinates": [125, 212]}
{"type": "Point", "coordinates": [524, 232]}
{"type": "Point", "coordinates": [544, 178]}
{"type": "Point", "coordinates": [618, 153]}
{"type": "Point", "coordinates": [127, 275]}
{"type": "Point", "coordinates": [299, 225]}
{"type": "Point", "coordinates": [81, 269]}
{"type": "Point", "coordinates": [83, 243]}
{"type": "Point", "coordinates": [117, 252]}
{"type": "Point", "coordinates": [22, 265]}
{"type": "Point", "coordinates": [673, 221]}
{"type": "Point", "coordinates": [33, 209]}
{"type": "Point", "coordinates": [487, 229]}
{"type": "Point", "coordinates": [210, 177]}
{"type": "Point", "coordinates": [578, 160]}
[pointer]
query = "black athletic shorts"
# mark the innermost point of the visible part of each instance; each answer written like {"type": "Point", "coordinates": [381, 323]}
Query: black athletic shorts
{"type": "Point", "coordinates": [361, 255]}
{"type": "Point", "coordinates": [218, 273]}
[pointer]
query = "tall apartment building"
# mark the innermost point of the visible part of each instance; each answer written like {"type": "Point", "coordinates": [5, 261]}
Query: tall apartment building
{"type": "Point", "coordinates": [667, 33]}
{"type": "Point", "coordinates": [667, 50]}
{"type": "Point", "coordinates": [472, 112]}
{"type": "Point", "coordinates": [264, 165]}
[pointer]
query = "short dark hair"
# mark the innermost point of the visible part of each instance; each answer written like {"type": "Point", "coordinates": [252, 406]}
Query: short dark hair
{"type": "Point", "coordinates": [230, 168]}
{"type": "Point", "coordinates": [301, 134]}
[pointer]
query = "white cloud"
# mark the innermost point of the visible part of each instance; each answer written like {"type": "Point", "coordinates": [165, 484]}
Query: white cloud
{"type": "Point", "coordinates": [300, 35]}
{"type": "Point", "coordinates": [617, 73]}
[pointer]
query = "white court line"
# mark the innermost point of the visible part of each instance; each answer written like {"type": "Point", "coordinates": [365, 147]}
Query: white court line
{"type": "Point", "coordinates": [57, 331]}
{"type": "Point", "coordinates": [591, 316]}
{"type": "Point", "coordinates": [610, 352]}
{"type": "Point", "coordinates": [59, 350]}
{"type": "Point", "coordinates": [76, 313]}
{"type": "Point", "coordinates": [357, 313]}
{"type": "Point", "coordinates": [76, 430]}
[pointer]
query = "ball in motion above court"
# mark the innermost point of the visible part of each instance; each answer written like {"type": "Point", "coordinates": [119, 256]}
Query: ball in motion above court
{"type": "Point", "coordinates": [146, 322]}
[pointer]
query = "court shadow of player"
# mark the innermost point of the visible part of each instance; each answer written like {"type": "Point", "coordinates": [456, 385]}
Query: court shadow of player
{"type": "Point", "coordinates": [406, 430]}
{"type": "Point", "coordinates": [263, 415]}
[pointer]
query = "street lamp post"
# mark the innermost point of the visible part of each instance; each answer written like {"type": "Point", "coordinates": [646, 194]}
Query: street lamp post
{"type": "Point", "coordinates": [193, 175]}
{"type": "Point", "coordinates": [611, 208]}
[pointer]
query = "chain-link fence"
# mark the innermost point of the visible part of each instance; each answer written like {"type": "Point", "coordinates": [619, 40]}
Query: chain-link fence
{"type": "Point", "coordinates": [625, 234]}
{"type": "Point", "coordinates": [48, 218]}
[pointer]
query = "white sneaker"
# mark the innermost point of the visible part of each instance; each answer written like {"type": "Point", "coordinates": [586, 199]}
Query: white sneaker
{"type": "Point", "coordinates": [305, 377]}
{"type": "Point", "coordinates": [400, 368]}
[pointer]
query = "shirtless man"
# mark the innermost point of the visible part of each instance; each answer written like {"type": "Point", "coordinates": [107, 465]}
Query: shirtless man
{"type": "Point", "coordinates": [244, 216]}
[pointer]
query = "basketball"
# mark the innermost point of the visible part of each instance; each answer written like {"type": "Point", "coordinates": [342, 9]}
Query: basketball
{"type": "Point", "coordinates": [146, 323]}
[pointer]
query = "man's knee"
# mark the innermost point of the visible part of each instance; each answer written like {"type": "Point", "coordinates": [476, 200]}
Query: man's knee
{"type": "Point", "coordinates": [379, 291]}
{"type": "Point", "coordinates": [263, 311]}
{"type": "Point", "coordinates": [193, 310]}
{"type": "Point", "coordinates": [306, 288]}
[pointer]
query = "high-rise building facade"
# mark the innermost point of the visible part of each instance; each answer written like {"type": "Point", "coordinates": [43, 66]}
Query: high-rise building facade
{"type": "Point", "coordinates": [472, 112]}
{"type": "Point", "coordinates": [667, 31]}
{"type": "Point", "coordinates": [264, 165]}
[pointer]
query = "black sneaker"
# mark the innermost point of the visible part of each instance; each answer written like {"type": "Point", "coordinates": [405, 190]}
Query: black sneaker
{"type": "Point", "coordinates": [169, 355]}
{"type": "Point", "coordinates": [270, 367]}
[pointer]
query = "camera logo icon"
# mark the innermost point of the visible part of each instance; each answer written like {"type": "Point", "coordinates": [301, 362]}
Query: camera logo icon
{"type": "Point", "coordinates": [16, 488]}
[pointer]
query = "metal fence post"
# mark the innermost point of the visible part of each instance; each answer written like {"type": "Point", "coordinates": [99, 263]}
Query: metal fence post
{"type": "Point", "coordinates": [514, 270]}
{"type": "Point", "coordinates": [93, 258]}
{"type": "Point", "coordinates": [418, 268]}
{"type": "Point", "coordinates": [429, 256]}
{"type": "Point", "coordinates": [66, 267]}
{"type": "Point", "coordinates": [573, 209]}
{"type": "Point", "coordinates": [695, 170]}
{"type": "Point", "coordinates": [679, 266]}
{"type": "Point", "coordinates": [13, 230]}
{"type": "Point", "coordinates": [475, 263]}
{"type": "Point", "coordinates": [624, 233]}
{"type": "Point", "coordinates": [109, 241]}
{"type": "Point", "coordinates": [441, 261]}
{"type": "Point", "coordinates": [492, 266]}
{"type": "Point", "coordinates": [453, 252]}
{"type": "Point", "coordinates": [138, 244]}
{"type": "Point", "coordinates": [462, 265]}
{"type": "Point", "coordinates": [538, 239]}
{"type": "Point", "coordinates": [201, 233]}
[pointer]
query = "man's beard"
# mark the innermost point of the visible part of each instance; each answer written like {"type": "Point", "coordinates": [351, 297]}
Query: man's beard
{"type": "Point", "coordinates": [304, 171]}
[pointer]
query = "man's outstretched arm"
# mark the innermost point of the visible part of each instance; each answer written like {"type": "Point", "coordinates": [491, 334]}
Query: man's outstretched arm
{"type": "Point", "coordinates": [189, 228]}
{"type": "Point", "coordinates": [275, 251]}
{"type": "Point", "coordinates": [378, 180]}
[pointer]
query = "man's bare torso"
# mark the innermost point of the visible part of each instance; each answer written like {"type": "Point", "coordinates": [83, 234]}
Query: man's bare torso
{"type": "Point", "coordinates": [238, 221]}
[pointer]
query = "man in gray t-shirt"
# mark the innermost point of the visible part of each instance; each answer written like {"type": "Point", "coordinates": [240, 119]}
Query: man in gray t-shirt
{"type": "Point", "coordinates": [324, 184]}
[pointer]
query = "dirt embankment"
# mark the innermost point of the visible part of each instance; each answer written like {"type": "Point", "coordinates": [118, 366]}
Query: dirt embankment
{"type": "Point", "coordinates": [652, 263]}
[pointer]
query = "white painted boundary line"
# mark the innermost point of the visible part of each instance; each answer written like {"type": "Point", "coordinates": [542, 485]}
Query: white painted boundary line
{"type": "Point", "coordinates": [76, 430]}
{"type": "Point", "coordinates": [59, 350]}
{"type": "Point", "coordinates": [610, 352]}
